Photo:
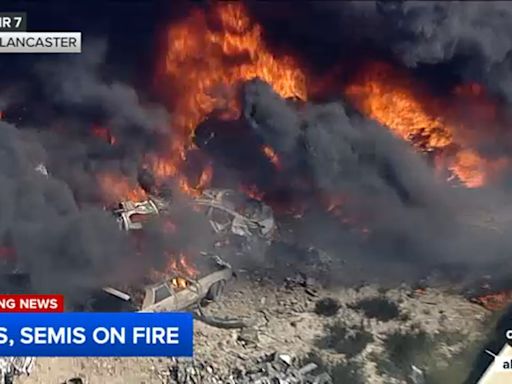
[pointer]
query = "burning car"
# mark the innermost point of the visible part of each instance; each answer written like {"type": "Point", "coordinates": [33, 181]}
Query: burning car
{"type": "Point", "coordinates": [228, 212]}
{"type": "Point", "coordinates": [175, 292]}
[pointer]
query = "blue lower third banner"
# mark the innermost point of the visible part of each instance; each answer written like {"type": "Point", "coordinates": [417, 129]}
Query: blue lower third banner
{"type": "Point", "coordinates": [96, 334]}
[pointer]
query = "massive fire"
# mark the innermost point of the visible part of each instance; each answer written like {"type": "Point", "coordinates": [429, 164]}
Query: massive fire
{"type": "Point", "coordinates": [206, 64]}
{"type": "Point", "coordinates": [394, 100]}
{"type": "Point", "coordinates": [210, 53]}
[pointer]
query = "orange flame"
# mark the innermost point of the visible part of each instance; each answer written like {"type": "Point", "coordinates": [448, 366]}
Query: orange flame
{"type": "Point", "coordinates": [201, 59]}
{"type": "Point", "coordinates": [389, 97]}
{"type": "Point", "coordinates": [204, 181]}
{"type": "Point", "coordinates": [252, 191]}
{"type": "Point", "coordinates": [271, 155]}
{"type": "Point", "coordinates": [103, 133]}
{"type": "Point", "coordinates": [494, 301]}
{"type": "Point", "coordinates": [179, 283]}
{"type": "Point", "coordinates": [178, 270]}
{"type": "Point", "coordinates": [181, 266]}
{"type": "Point", "coordinates": [206, 66]}
{"type": "Point", "coordinates": [117, 188]}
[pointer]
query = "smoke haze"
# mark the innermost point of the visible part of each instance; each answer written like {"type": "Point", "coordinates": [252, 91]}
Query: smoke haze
{"type": "Point", "coordinates": [397, 215]}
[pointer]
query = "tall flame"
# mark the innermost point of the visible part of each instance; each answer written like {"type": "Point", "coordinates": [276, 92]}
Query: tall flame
{"type": "Point", "coordinates": [206, 65]}
{"type": "Point", "coordinates": [390, 98]}
{"type": "Point", "coordinates": [180, 270]}
{"type": "Point", "coordinates": [179, 265]}
{"type": "Point", "coordinates": [203, 182]}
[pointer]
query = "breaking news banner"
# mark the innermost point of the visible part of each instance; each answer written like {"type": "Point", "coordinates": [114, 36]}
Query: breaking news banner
{"type": "Point", "coordinates": [96, 334]}
{"type": "Point", "coordinates": [31, 303]}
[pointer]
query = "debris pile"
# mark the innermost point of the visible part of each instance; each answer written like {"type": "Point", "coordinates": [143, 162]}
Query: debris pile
{"type": "Point", "coordinates": [279, 368]}
{"type": "Point", "coordinates": [310, 285]}
{"type": "Point", "coordinates": [275, 368]}
{"type": "Point", "coordinates": [11, 367]}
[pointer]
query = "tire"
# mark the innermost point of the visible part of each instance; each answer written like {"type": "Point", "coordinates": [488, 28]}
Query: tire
{"type": "Point", "coordinates": [216, 290]}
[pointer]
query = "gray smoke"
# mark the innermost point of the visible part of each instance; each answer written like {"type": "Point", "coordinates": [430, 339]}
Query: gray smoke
{"type": "Point", "coordinates": [76, 83]}
{"type": "Point", "coordinates": [475, 35]}
{"type": "Point", "coordinates": [62, 236]}
{"type": "Point", "coordinates": [83, 96]}
{"type": "Point", "coordinates": [414, 218]}
{"type": "Point", "coordinates": [63, 248]}
{"type": "Point", "coordinates": [414, 213]}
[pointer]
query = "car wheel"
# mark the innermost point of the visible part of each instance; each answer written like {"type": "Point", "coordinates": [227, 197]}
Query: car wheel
{"type": "Point", "coordinates": [216, 290]}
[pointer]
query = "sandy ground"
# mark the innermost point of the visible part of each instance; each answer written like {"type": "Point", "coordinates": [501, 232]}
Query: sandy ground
{"type": "Point", "coordinates": [285, 321]}
{"type": "Point", "coordinates": [98, 370]}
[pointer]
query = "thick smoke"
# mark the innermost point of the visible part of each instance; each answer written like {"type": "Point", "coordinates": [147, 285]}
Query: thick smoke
{"type": "Point", "coordinates": [67, 98]}
{"type": "Point", "coordinates": [465, 40]}
{"type": "Point", "coordinates": [416, 32]}
{"type": "Point", "coordinates": [75, 83]}
{"type": "Point", "coordinates": [62, 236]}
{"type": "Point", "coordinates": [64, 249]}
{"type": "Point", "coordinates": [413, 217]}
{"type": "Point", "coordinates": [396, 213]}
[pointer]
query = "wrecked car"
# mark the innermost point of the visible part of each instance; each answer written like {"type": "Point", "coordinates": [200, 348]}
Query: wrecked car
{"type": "Point", "coordinates": [175, 292]}
{"type": "Point", "coordinates": [228, 212]}
{"type": "Point", "coordinates": [129, 214]}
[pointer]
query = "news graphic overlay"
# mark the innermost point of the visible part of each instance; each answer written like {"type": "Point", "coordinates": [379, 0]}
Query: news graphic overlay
{"type": "Point", "coordinates": [14, 37]}
{"type": "Point", "coordinates": [96, 334]}
{"type": "Point", "coordinates": [13, 21]}
{"type": "Point", "coordinates": [31, 303]}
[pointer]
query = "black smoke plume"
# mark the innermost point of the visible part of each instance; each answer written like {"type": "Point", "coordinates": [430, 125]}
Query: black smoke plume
{"type": "Point", "coordinates": [398, 218]}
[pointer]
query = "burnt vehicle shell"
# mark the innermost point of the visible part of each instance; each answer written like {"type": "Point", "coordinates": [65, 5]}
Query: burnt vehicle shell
{"type": "Point", "coordinates": [233, 212]}
{"type": "Point", "coordinates": [228, 212]}
{"type": "Point", "coordinates": [165, 295]}
{"type": "Point", "coordinates": [129, 214]}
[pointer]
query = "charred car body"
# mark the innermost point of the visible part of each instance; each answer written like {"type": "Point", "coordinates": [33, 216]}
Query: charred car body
{"type": "Point", "coordinates": [228, 212]}
{"type": "Point", "coordinates": [174, 292]}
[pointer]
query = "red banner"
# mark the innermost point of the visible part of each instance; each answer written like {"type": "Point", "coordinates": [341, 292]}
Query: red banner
{"type": "Point", "coordinates": [31, 303]}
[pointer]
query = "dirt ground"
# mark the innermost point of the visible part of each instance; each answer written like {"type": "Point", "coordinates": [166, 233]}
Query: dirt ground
{"type": "Point", "coordinates": [283, 319]}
